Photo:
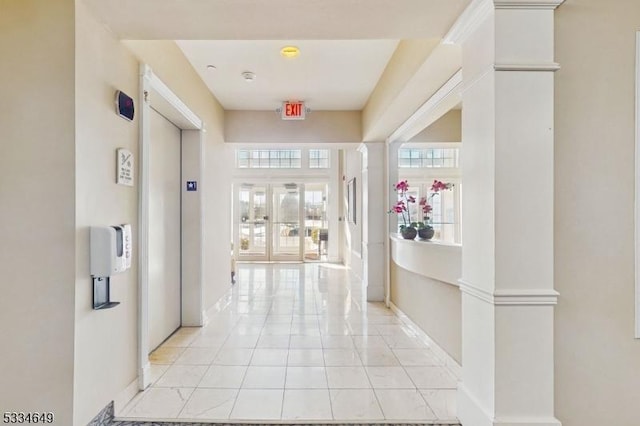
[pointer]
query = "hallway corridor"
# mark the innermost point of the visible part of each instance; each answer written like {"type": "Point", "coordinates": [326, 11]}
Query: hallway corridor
{"type": "Point", "coordinates": [297, 342]}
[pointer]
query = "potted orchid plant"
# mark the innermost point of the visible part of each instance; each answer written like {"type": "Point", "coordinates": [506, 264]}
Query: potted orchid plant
{"type": "Point", "coordinates": [424, 229]}
{"type": "Point", "coordinates": [408, 229]}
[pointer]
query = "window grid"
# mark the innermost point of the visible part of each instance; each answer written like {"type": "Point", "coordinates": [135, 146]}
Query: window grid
{"type": "Point", "coordinates": [413, 158]}
{"type": "Point", "coordinates": [318, 158]}
{"type": "Point", "coordinates": [445, 213]}
{"type": "Point", "coordinates": [269, 158]}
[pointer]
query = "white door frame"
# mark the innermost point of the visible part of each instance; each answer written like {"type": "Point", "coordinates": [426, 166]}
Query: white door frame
{"type": "Point", "coordinates": [637, 190]}
{"type": "Point", "coordinates": [269, 225]}
{"type": "Point", "coordinates": [155, 94]}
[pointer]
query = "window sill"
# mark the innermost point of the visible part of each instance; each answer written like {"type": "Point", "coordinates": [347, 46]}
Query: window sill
{"type": "Point", "coordinates": [433, 259]}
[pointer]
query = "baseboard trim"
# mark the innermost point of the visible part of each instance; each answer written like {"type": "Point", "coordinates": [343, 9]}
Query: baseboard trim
{"type": "Point", "coordinates": [527, 422]}
{"type": "Point", "coordinates": [453, 365]}
{"type": "Point", "coordinates": [469, 410]}
{"type": "Point", "coordinates": [127, 394]}
{"type": "Point", "coordinates": [144, 376]}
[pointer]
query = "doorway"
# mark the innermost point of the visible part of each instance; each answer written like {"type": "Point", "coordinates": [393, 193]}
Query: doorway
{"type": "Point", "coordinates": [280, 222]}
{"type": "Point", "coordinates": [175, 231]}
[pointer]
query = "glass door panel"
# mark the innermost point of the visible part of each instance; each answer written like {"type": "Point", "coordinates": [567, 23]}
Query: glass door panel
{"type": "Point", "coordinates": [286, 222]}
{"type": "Point", "coordinates": [316, 222]}
{"type": "Point", "coordinates": [252, 222]}
{"type": "Point", "coordinates": [286, 232]}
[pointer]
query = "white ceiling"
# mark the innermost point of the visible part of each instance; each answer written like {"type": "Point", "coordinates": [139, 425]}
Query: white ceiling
{"type": "Point", "coordinates": [277, 19]}
{"type": "Point", "coordinates": [327, 75]}
{"type": "Point", "coordinates": [345, 44]}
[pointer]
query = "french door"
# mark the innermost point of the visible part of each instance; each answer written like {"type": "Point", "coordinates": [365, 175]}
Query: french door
{"type": "Point", "coordinates": [279, 222]}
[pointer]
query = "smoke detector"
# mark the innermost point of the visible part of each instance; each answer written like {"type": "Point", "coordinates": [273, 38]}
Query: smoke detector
{"type": "Point", "coordinates": [248, 76]}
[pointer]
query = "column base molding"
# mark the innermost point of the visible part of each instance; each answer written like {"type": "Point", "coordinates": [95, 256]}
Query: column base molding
{"type": "Point", "coordinates": [471, 412]}
{"type": "Point", "coordinates": [373, 270]}
{"type": "Point", "coordinates": [144, 376]}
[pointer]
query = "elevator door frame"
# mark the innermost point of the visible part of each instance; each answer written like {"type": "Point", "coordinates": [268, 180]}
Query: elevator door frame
{"type": "Point", "coordinates": [155, 94]}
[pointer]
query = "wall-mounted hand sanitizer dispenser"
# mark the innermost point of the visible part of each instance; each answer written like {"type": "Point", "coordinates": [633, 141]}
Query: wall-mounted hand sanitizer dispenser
{"type": "Point", "coordinates": [109, 251]}
{"type": "Point", "coordinates": [110, 254]}
{"type": "Point", "coordinates": [126, 234]}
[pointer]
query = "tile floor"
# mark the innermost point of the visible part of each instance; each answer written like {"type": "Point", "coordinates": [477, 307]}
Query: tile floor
{"type": "Point", "coordinates": [297, 342]}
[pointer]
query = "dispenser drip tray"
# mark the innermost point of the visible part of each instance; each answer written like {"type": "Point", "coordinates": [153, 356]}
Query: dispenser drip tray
{"type": "Point", "coordinates": [102, 293]}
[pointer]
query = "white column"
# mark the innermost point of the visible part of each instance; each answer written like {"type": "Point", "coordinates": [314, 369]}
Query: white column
{"type": "Point", "coordinates": [335, 225]}
{"type": "Point", "coordinates": [373, 220]}
{"type": "Point", "coordinates": [507, 274]}
{"type": "Point", "coordinates": [391, 177]}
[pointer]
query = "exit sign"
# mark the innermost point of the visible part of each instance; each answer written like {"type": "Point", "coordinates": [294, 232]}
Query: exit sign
{"type": "Point", "coordinates": [293, 111]}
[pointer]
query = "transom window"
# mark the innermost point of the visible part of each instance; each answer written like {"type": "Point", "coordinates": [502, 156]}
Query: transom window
{"type": "Point", "coordinates": [428, 157]}
{"type": "Point", "coordinates": [318, 158]}
{"type": "Point", "coordinates": [269, 158]}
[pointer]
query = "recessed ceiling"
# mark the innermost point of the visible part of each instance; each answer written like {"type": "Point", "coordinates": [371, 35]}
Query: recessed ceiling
{"type": "Point", "coordinates": [277, 19]}
{"type": "Point", "coordinates": [345, 44]}
{"type": "Point", "coordinates": [327, 75]}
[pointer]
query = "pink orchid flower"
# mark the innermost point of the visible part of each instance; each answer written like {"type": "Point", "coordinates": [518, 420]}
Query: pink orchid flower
{"type": "Point", "coordinates": [402, 186]}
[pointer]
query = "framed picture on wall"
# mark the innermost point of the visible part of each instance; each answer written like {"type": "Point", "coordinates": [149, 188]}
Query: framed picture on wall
{"type": "Point", "coordinates": [351, 201]}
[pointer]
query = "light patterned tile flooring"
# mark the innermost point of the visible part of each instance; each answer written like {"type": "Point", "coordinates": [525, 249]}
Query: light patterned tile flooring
{"type": "Point", "coordinates": [292, 343]}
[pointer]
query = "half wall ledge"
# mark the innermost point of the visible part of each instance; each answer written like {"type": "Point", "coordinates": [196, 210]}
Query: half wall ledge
{"type": "Point", "coordinates": [434, 259]}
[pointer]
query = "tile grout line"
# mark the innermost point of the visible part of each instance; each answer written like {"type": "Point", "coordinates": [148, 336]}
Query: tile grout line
{"type": "Point", "coordinates": [286, 294]}
{"type": "Point", "coordinates": [286, 370]}
{"type": "Point", "coordinates": [326, 375]}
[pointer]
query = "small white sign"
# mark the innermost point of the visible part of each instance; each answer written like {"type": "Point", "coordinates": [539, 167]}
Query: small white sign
{"type": "Point", "coordinates": [124, 170]}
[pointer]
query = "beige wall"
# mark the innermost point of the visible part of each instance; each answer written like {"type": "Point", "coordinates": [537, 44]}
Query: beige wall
{"type": "Point", "coordinates": [37, 199]}
{"type": "Point", "coordinates": [403, 65]}
{"type": "Point", "coordinates": [447, 128]}
{"type": "Point", "coordinates": [106, 341]}
{"type": "Point", "coordinates": [433, 305]}
{"type": "Point", "coordinates": [268, 127]}
{"type": "Point", "coordinates": [597, 358]}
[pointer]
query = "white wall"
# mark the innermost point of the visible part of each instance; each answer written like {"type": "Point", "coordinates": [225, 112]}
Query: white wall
{"type": "Point", "coordinates": [37, 207]}
{"type": "Point", "coordinates": [353, 232]}
{"type": "Point", "coordinates": [597, 375]}
{"type": "Point", "coordinates": [433, 305]}
{"type": "Point", "coordinates": [424, 285]}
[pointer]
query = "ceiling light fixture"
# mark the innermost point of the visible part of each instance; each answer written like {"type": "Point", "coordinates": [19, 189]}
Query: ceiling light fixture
{"type": "Point", "coordinates": [290, 51]}
{"type": "Point", "coordinates": [248, 76]}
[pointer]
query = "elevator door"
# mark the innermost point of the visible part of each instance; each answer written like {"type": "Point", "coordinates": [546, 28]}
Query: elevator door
{"type": "Point", "coordinates": [164, 230]}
